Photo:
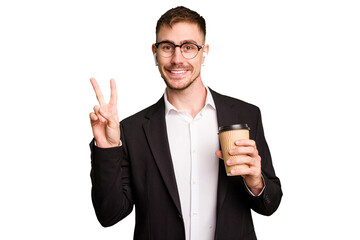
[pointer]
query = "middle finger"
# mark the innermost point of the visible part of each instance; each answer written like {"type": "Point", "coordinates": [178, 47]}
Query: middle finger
{"type": "Point", "coordinates": [240, 160]}
{"type": "Point", "coordinates": [242, 150]}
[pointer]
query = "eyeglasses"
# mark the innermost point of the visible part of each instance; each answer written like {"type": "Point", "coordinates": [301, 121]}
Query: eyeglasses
{"type": "Point", "coordinates": [188, 50]}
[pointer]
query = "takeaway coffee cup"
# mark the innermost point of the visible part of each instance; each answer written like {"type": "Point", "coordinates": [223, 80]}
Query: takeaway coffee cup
{"type": "Point", "coordinates": [228, 135]}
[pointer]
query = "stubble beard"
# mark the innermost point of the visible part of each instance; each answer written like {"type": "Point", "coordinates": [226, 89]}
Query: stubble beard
{"type": "Point", "coordinates": [187, 85]}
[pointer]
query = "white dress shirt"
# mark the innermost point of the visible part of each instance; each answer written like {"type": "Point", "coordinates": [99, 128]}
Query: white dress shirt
{"type": "Point", "coordinates": [193, 142]}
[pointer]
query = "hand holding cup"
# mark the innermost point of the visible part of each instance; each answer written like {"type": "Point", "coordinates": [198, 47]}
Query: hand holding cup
{"type": "Point", "coordinates": [240, 155]}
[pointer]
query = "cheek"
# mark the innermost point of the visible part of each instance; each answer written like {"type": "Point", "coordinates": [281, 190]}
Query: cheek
{"type": "Point", "coordinates": [161, 66]}
{"type": "Point", "coordinates": [197, 65]}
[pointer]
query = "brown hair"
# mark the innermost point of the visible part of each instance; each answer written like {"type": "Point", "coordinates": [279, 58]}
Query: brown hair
{"type": "Point", "coordinates": [181, 14]}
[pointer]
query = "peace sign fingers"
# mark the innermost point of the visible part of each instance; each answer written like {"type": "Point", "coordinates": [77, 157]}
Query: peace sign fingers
{"type": "Point", "coordinates": [105, 119]}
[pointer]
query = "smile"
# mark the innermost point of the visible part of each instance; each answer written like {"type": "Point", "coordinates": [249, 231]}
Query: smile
{"type": "Point", "coordinates": [177, 72]}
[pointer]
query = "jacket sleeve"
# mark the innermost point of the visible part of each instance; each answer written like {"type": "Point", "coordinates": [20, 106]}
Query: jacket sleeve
{"type": "Point", "coordinates": [111, 184]}
{"type": "Point", "coordinates": [269, 200]}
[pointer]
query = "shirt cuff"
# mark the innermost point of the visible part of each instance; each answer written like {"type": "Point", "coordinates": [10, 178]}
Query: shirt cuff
{"type": "Point", "coordinates": [97, 145]}
{"type": "Point", "coordinates": [252, 194]}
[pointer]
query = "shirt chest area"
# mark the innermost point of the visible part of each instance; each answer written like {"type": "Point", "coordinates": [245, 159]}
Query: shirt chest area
{"type": "Point", "coordinates": [193, 142]}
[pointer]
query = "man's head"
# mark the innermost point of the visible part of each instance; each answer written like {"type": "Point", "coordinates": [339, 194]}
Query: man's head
{"type": "Point", "coordinates": [181, 14]}
{"type": "Point", "coordinates": [180, 47]}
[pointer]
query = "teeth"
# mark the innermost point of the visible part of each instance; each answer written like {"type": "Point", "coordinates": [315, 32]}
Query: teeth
{"type": "Point", "coordinates": [178, 72]}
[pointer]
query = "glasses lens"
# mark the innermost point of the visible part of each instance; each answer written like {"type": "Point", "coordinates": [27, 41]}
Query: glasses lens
{"type": "Point", "coordinates": [166, 49]}
{"type": "Point", "coordinates": [189, 50]}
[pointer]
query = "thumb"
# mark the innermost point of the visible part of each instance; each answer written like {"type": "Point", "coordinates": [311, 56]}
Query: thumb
{"type": "Point", "coordinates": [218, 153]}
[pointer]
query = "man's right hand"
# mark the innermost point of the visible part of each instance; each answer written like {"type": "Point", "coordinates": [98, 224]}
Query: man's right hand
{"type": "Point", "coordinates": [105, 118]}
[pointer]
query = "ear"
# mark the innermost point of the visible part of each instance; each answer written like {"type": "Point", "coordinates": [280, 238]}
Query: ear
{"type": "Point", "coordinates": [155, 60]}
{"type": "Point", "coordinates": [153, 48]}
{"type": "Point", "coordinates": [205, 53]}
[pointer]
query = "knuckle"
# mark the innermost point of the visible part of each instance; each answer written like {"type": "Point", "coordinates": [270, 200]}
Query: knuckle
{"type": "Point", "coordinates": [251, 150]}
{"type": "Point", "coordinates": [236, 160]}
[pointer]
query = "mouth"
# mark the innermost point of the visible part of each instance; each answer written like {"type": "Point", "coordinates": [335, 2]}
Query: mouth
{"type": "Point", "coordinates": [177, 73]}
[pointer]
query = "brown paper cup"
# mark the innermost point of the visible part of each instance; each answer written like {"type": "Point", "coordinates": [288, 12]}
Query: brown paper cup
{"type": "Point", "coordinates": [228, 135]}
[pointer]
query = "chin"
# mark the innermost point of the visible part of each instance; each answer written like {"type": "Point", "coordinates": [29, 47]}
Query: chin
{"type": "Point", "coordinates": [178, 84]}
{"type": "Point", "coordinates": [177, 87]}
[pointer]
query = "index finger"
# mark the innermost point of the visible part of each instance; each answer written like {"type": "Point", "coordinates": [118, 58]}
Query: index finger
{"type": "Point", "coordinates": [97, 90]}
{"type": "Point", "coordinates": [245, 142]}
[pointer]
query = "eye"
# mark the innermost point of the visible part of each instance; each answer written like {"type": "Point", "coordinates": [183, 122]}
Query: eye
{"type": "Point", "coordinates": [166, 47]}
{"type": "Point", "coordinates": [189, 47]}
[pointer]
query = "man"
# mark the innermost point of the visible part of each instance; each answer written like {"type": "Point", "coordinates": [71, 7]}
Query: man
{"type": "Point", "coordinates": [165, 159]}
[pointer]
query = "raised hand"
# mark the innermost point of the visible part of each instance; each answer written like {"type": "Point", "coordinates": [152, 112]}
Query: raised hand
{"type": "Point", "coordinates": [105, 119]}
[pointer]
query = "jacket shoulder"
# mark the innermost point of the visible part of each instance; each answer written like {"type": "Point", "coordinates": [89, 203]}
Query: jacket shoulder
{"type": "Point", "coordinates": [140, 116]}
{"type": "Point", "coordinates": [234, 102]}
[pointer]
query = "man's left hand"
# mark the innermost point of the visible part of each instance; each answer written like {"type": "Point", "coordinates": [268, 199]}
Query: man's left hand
{"type": "Point", "coordinates": [249, 155]}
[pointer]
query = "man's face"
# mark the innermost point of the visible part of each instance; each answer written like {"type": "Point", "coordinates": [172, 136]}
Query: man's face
{"type": "Point", "coordinates": [177, 71]}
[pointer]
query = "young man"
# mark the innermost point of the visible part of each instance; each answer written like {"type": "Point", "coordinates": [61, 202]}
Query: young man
{"type": "Point", "coordinates": [166, 158]}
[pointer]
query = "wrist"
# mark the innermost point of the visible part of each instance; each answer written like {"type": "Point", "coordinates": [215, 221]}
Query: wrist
{"type": "Point", "coordinates": [258, 187]}
{"type": "Point", "coordinates": [108, 145]}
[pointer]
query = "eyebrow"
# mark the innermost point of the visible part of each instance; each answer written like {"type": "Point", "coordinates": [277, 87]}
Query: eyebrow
{"type": "Point", "coordinates": [188, 41]}
{"type": "Point", "coordinates": [181, 42]}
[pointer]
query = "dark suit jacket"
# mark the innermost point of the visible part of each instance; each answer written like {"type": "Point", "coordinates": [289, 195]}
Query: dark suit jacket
{"type": "Point", "coordinates": [141, 173]}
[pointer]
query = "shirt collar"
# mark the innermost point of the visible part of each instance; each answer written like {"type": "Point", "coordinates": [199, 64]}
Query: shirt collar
{"type": "Point", "coordinates": [209, 101]}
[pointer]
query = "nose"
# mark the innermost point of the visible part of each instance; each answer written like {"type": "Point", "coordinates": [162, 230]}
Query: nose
{"type": "Point", "coordinates": [177, 57]}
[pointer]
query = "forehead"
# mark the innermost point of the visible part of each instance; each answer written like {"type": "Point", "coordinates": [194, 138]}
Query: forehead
{"type": "Point", "coordinates": [179, 32]}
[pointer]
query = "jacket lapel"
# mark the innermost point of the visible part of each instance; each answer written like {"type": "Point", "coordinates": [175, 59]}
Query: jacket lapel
{"type": "Point", "coordinates": [156, 134]}
{"type": "Point", "coordinates": [224, 118]}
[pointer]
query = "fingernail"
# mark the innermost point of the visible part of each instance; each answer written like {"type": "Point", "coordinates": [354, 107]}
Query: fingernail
{"type": "Point", "coordinates": [228, 162]}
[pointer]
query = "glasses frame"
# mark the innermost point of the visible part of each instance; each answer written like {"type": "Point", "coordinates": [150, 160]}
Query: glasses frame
{"type": "Point", "coordinates": [199, 47]}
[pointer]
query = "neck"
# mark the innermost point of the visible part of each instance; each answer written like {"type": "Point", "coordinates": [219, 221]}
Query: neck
{"type": "Point", "coordinates": [191, 99]}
